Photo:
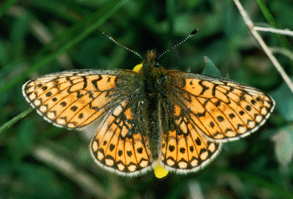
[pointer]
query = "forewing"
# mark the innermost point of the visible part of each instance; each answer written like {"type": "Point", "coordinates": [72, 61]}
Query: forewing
{"type": "Point", "coordinates": [223, 110]}
{"type": "Point", "coordinates": [120, 145]}
{"type": "Point", "coordinates": [184, 147]}
{"type": "Point", "coordinates": [74, 99]}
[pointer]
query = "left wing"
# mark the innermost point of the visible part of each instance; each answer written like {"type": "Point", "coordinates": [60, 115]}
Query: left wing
{"type": "Point", "coordinates": [74, 99]}
{"type": "Point", "coordinates": [120, 144]}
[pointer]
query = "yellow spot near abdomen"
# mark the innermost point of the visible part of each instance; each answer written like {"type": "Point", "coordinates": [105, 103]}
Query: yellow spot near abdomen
{"type": "Point", "coordinates": [160, 171]}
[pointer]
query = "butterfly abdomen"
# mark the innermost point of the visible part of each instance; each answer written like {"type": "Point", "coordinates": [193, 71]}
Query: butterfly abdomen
{"type": "Point", "coordinates": [153, 86]}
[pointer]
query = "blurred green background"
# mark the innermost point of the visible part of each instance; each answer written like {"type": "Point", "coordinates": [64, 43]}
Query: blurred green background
{"type": "Point", "coordinates": [37, 37]}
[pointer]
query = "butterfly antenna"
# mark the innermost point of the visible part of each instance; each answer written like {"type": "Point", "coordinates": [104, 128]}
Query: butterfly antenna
{"type": "Point", "coordinates": [116, 42]}
{"type": "Point", "coordinates": [184, 40]}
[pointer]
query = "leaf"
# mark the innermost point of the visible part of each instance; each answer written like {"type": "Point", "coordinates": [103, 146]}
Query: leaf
{"type": "Point", "coordinates": [284, 101]}
{"type": "Point", "coordinates": [211, 68]}
{"type": "Point", "coordinates": [284, 145]}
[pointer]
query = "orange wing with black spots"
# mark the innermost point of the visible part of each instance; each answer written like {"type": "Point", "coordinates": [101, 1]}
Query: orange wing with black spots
{"type": "Point", "coordinates": [223, 110]}
{"type": "Point", "coordinates": [74, 99]}
{"type": "Point", "coordinates": [121, 146]}
{"type": "Point", "coordinates": [184, 147]}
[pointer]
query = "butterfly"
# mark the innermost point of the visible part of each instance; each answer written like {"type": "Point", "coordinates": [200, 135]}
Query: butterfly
{"type": "Point", "coordinates": [150, 116]}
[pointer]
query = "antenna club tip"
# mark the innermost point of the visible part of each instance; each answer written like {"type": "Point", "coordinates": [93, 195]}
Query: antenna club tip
{"type": "Point", "coordinates": [106, 35]}
{"type": "Point", "coordinates": [194, 31]}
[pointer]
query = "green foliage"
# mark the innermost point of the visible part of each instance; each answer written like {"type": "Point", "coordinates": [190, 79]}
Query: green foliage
{"type": "Point", "coordinates": [41, 37]}
{"type": "Point", "coordinates": [210, 68]}
{"type": "Point", "coordinates": [285, 99]}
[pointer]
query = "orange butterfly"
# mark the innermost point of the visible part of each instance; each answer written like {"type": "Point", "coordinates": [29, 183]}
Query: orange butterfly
{"type": "Point", "coordinates": [150, 116]}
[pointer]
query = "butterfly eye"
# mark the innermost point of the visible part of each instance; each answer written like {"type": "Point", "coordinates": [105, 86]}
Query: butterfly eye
{"type": "Point", "coordinates": [157, 64]}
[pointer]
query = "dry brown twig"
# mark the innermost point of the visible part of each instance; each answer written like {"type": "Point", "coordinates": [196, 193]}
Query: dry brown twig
{"type": "Point", "coordinates": [266, 49]}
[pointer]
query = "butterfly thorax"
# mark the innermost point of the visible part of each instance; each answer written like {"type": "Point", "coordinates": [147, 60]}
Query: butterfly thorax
{"type": "Point", "coordinates": [152, 74]}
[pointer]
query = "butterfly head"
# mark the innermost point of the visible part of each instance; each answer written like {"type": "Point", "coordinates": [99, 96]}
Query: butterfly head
{"type": "Point", "coordinates": [150, 67]}
{"type": "Point", "coordinates": [150, 64]}
{"type": "Point", "coordinates": [151, 59]}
